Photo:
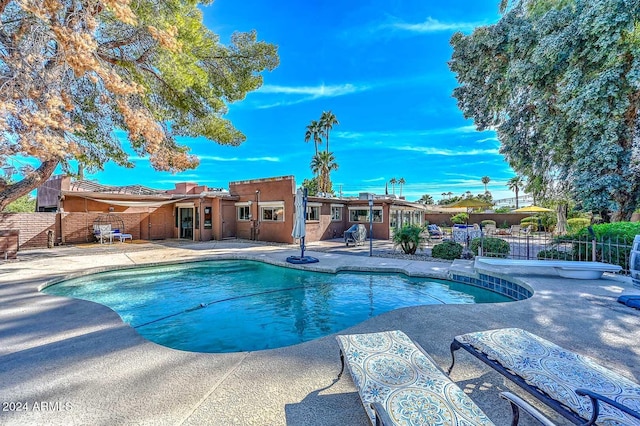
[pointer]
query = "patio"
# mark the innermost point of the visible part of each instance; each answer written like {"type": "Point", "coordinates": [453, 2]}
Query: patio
{"type": "Point", "coordinates": [90, 368]}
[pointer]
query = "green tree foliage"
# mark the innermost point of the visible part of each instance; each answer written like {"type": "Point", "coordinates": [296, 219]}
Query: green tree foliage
{"type": "Point", "coordinates": [311, 185]}
{"type": "Point", "coordinates": [426, 199]}
{"type": "Point", "coordinates": [559, 81]}
{"type": "Point", "coordinates": [24, 204]}
{"type": "Point", "coordinates": [322, 164]}
{"type": "Point", "coordinates": [73, 72]}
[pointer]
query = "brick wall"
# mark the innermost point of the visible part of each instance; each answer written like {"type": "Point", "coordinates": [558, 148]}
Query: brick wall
{"type": "Point", "coordinates": [33, 227]}
{"type": "Point", "coordinates": [77, 228]}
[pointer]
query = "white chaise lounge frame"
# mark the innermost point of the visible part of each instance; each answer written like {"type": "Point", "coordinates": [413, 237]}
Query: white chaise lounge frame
{"type": "Point", "coordinates": [565, 268]}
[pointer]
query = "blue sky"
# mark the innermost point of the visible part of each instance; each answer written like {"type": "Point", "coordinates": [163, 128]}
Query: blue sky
{"type": "Point", "coordinates": [381, 67]}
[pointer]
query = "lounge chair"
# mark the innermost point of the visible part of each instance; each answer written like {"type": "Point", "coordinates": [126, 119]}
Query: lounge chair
{"type": "Point", "coordinates": [400, 384]}
{"type": "Point", "coordinates": [434, 231]}
{"type": "Point", "coordinates": [356, 234]}
{"type": "Point", "coordinates": [121, 236]}
{"type": "Point", "coordinates": [573, 385]}
{"type": "Point", "coordinates": [489, 229]}
{"type": "Point", "coordinates": [515, 229]}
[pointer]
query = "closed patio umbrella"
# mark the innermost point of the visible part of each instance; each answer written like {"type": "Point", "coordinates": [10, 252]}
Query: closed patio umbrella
{"type": "Point", "coordinates": [299, 227]}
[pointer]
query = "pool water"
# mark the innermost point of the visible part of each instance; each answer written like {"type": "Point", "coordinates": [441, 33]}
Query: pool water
{"type": "Point", "coordinates": [233, 306]}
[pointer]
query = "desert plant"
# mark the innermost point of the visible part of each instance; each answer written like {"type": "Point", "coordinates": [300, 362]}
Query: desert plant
{"type": "Point", "coordinates": [488, 222]}
{"type": "Point", "coordinates": [460, 218]}
{"type": "Point", "coordinates": [491, 247]}
{"type": "Point", "coordinates": [410, 238]}
{"type": "Point", "coordinates": [447, 250]}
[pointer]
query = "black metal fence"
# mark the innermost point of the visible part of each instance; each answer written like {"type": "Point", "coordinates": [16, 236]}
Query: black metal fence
{"type": "Point", "coordinates": [541, 245]}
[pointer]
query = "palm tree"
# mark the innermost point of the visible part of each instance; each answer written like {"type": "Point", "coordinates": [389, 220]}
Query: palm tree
{"type": "Point", "coordinates": [514, 184]}
{"type": "Point", "coordinates": [322, 164]}
{"type": "Point", "coordinates": [444, 195]}
{"type": "Point", "coordinates": [327, 120]}
{"type": "Point", "coordinates": [314, 132]}
{"type": "Point", "coordinates": [426, 199]}
{"type": "Point", "coordinates": [485, 181]}
{"type": "Point", "coordinates": [393, 182]}
{"type": "Point", "coordinates": [401, 182]}
{"type": "Point", "coordinates": [449, 194]}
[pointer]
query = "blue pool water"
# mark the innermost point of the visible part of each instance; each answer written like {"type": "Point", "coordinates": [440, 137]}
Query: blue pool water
{"type": "Point", "coordinates": [231, 306]}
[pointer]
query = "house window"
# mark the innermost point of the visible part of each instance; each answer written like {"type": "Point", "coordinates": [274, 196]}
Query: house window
{"type": "Point", "coordinates": [362, 215]}
{"type": "Point", "coordinates": [336, 214]}
{"type": "Point", "coordinates": [244, 213]}
{"type": "Point", "coordinates": [272, 214]}
{"type": "Point", "coordinates": [313, 213]}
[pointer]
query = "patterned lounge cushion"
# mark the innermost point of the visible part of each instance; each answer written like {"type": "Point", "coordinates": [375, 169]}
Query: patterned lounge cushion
{"type": "Point", "coordinates": [388, 368]}
{"type": "Point", "coordinates": [557, 372]}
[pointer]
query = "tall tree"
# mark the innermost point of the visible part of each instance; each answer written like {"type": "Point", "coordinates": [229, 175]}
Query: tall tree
{"type": "Point", "coordinates": [327, 121]}
{"type": "Point", "coordinates": [322, 165]}
{"type": "Point", "coordinates": [558, 80]}
{"type": "Point", "coordinates": [72, 72]}
{"type": "Point", "coordinates": [401, 182]}
{"type": "Point", "coordinates": [485, 182]}
{"type": "Point", "coordinates": [426, 199]}
{"type": "Point", "coordinates": [314, 133]}
{"type": "Point", "coordinates": [514, 184]}
{"type": "Point", "coordinates": [393, 182]}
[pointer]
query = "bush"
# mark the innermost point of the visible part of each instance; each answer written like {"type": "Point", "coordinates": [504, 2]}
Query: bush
{"type": "Point", "coordinates": [491, 247]}
{"type": "Point", "coordinates": [460, 218]}
{"type": "Point", "coordinates": [576, 224]}
{"type": "Point", "coordinates": [555, 254]}
{"type": "Point", "coordinates": [447, 250]}
{"type": "Point", "coordinates": [410, 238]}
{"type": "Point", "coordinates": [504, 225]}
{"type": "Point", "coordinates": [488, 222]}
{"type": "Point", "coordinates": [613, 242]}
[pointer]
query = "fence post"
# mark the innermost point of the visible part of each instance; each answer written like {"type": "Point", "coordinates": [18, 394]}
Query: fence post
{"type": "Point", "coordinates": [593, 250]}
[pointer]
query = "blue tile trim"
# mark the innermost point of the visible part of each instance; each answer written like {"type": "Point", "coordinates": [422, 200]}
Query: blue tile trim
{"type": "Point", "coordinates": [499, 285]}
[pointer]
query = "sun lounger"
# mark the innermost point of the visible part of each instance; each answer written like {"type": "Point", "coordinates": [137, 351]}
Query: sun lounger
{"type": "Point", "coordinates": [573, 385]}
{"type": "Point", "coordinates": [399, 383]}
{"type": "Point", "coordinates": [102, 233]}
{"type": "Point", "coordinates": [565, 268]}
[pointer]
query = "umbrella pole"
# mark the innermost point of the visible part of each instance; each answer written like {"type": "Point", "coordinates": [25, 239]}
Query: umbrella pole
{"type": "Point", "coordinates": [304, 207]}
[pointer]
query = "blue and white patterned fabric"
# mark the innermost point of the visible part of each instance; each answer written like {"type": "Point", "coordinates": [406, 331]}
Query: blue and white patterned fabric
{"type": "Point", "coordinates": [388, 368]}
{"type": "Point", "coordinates": [558, 372]}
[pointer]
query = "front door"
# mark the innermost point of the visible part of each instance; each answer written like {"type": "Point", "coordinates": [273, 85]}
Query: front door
{"type": "Point", "coordinates": [185, 219]}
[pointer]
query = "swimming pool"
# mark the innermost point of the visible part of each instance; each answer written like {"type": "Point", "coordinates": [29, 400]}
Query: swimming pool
{"type": "Point", "coordinates": [238, 305]}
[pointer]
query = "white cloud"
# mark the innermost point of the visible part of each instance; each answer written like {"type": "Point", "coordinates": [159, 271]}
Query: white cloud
{"type": "Point", "coordinates": [299, 94]}
{"type": "Point", "coordinates": [378, 179]}
{"type": "Point", "coordinates": [368, 136]}
{"type": "Point", "coordinates": [431, 25]}
{"type": "Point", "coordinates": [427, 150]}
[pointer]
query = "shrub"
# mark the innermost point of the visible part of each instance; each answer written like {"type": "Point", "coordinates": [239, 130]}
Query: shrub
{"type": "Point", "coordinates": [504, 225]}
{"type": "Point", "coordinates": [447, 250]}
{"type": "Point", "coordinates": [491, 247]}
{"type": "Point", "coordinates": [555, 254]}
{"type": "Point", "coordinates": [613, 242]}
{"type": "Point", "coordinates": [460, 218]}
{"type": "Point", "coordinates": [488, 222]}
{"type": "Point", "coordinates": [576, 224]}
{"type": "Point", "coordinates": [410, 238]}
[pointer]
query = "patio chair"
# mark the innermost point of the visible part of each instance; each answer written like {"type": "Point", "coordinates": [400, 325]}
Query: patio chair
{"type": "Point", "coordinates": [490, 229]}
{"type": "Point", "coordinates": [434, 231]}
{"type": "Point", "coordinates": [514, 230]}
{"type": "Point", "coordinates": [102, 232]}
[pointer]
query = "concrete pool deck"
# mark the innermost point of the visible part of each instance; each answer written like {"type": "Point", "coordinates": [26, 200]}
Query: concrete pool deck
{"type": "Point", "coordinates": [76, 362]}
